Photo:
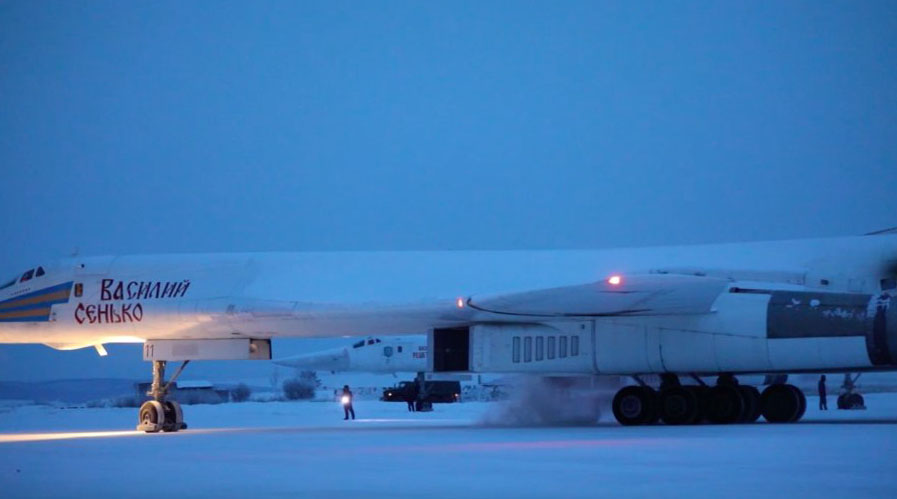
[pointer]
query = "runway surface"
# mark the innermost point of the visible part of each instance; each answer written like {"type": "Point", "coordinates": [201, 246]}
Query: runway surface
{"type": "Point", "coordinates": [307, 450]}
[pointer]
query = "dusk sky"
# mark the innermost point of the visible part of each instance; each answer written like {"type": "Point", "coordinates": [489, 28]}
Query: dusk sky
{"type": "Point", "coordinates": [223, 126]}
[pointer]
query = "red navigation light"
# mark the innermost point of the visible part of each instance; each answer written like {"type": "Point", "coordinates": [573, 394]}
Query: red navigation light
{"type": "Point", "coordinates": [615, 280]}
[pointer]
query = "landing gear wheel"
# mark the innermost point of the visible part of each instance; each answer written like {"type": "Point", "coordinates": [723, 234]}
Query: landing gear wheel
{"type": "Point", "coordinates": [781, 404]}
{"type": "Point", "coordinates": [842, 401]}
{"type": "Point", "coordinates": [751, 397]}
{"type": "Point", "coordinates": [679, 405]}
{"type": "Point", "coordinates": [854, 401]}
{"type": "Point", "coordinates": [724, 404]}
{"type": "Point", "coordinates": [700, 392]}
{"type": "Point", "coordinates": [635, 405]}
{"type": "Point", "coordinates": [802, 399]}
{"type": "Point", "coordinates": [174, 417]}
{"type": "Point", "coordinates": [654, 413]}
{"type": "Point", "coordinates": [151, 417]}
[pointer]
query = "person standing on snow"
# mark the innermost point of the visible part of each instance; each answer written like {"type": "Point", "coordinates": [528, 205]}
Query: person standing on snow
{"type": "Point", "coordinates": [823, 404]}
{"type": "Point", "coordinates": [411, 396]}
{"type": "Point", "coordinates": [347, 402]}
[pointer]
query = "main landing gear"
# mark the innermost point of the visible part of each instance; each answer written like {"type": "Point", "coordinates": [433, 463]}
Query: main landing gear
{"type": "Point", "coordinates": [159, 414]}
{"type": "Point", "coordinates": [724, 403]}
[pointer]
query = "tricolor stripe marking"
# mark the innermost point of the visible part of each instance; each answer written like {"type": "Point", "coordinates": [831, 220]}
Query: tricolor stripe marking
{"type": "Point", "coordinates": [34, 306]}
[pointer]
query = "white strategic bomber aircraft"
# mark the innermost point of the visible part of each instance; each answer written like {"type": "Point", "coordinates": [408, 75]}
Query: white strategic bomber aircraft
{"type": "Point", "coordinates": [820, 305]}
{"type": "Point", "coordinates": [370, 355]}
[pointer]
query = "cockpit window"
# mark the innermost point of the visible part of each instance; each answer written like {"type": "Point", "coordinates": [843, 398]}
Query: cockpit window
{"type": "Point", "coordinates": [40, 272]}
{"type": "Point", "coordinates": [369, 341]}
{"type": "Point", "coordinates": [27, 276]}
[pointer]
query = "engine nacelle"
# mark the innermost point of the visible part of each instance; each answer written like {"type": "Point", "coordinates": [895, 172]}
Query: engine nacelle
{"type": "Point", "coordinates": [757, 331]}
{"type": "Point", "coordinates": [750, 331]}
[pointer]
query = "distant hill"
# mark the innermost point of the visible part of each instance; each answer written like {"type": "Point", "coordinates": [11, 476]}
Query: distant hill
{"type": "Point", "coordinates": [67, 390]}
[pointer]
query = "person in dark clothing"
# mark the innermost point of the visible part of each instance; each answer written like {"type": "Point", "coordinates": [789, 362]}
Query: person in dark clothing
{"type": "Point", "coordinates": [823, 404]}
{"type": "Point", "coordinates": [347, 402]}
{"type": "Point", "coordinates": [411, 396]}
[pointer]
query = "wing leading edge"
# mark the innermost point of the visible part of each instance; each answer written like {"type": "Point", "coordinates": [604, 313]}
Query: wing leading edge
{"type": "Point", "coordinates": [651, 294]}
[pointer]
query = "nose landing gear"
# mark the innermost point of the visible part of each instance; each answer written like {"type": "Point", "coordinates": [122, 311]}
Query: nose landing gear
{"type": "Point", "coordinates": [159, 414]}
{"type": "Point", "coordinates": [849, 397]}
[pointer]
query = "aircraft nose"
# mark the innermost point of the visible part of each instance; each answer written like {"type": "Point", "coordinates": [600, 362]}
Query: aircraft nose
{"type": "Point", "coordinates": [330, 360]}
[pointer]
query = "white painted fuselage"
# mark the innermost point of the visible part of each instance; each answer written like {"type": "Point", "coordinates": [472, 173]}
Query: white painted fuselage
{"type": "Point", "coordinates": [82, 302]}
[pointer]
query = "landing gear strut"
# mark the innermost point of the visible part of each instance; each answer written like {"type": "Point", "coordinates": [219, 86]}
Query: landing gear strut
{"type": "Point", "coordinates": [159, 414]}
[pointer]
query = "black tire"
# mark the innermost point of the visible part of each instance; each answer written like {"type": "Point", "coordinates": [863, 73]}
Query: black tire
{"type": "Point", "coordinates": [653, 415]}
{"type": "Point", "coordinates": [802, 400]}
{"type": "Point", "coordinates": [724, 404]}
{"type": "Point", "coordinates": [779, 404]}
{"type": "Point", "coordinates": [842, 402]}
{"type": "Point", "coordinates": [700, 392]}
{"type": "Point", "coordinates": [679, 405]}
{"type": "Point", "coordinates": [751, 397]}
{"type": "Point", "coordinates": [173, 417]}
{"type": "Point", "coordinates": [633, 405]}
{"type": "Point", "coordinates": [149, 413]}
{"type": "Point", "coordinates": [854, 401]}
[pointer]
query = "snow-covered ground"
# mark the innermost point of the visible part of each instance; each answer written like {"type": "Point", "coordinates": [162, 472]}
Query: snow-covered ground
{"type": "Point", "coordinates": [305, 449]}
